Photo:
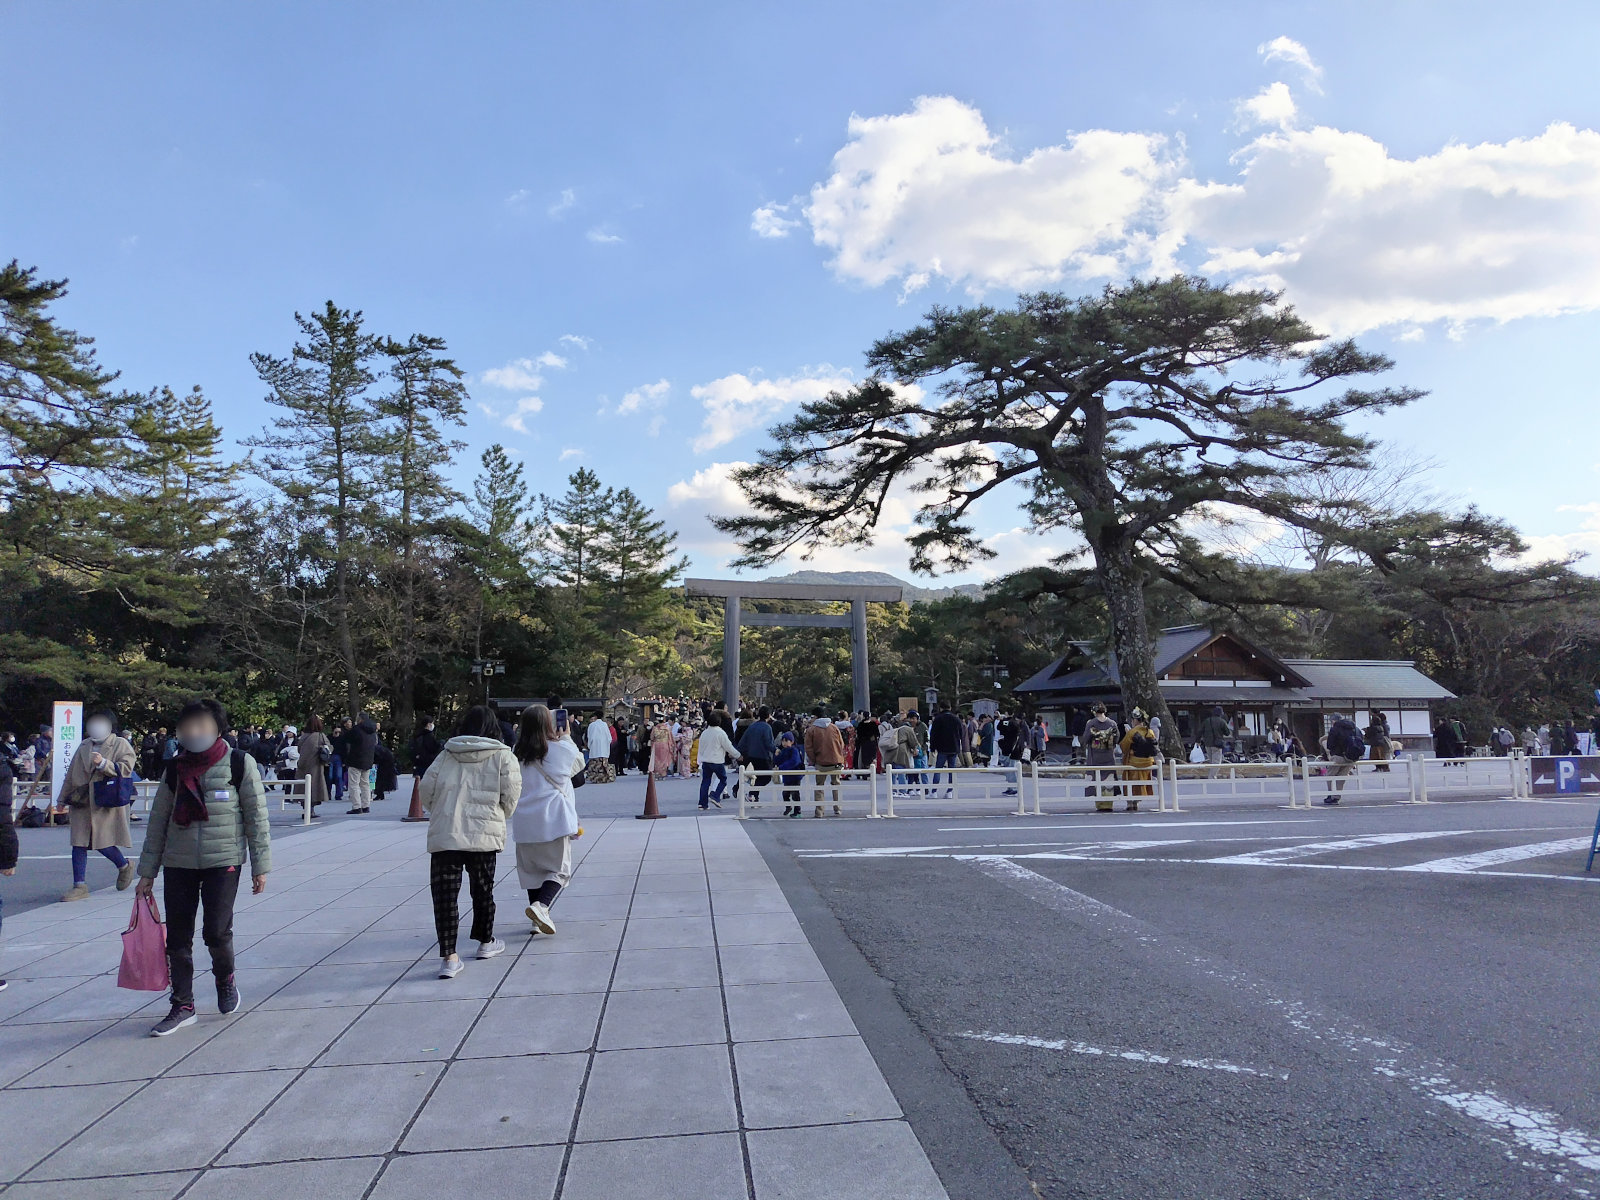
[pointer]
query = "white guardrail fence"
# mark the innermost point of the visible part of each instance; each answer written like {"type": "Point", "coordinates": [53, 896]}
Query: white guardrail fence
{"type": "Point", "coordinates": [1045, 789]}
{"type": "Point", "coordinates": [288, 790]}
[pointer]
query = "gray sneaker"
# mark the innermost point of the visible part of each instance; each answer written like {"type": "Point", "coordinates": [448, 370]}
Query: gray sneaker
{"type": "Point", "coordinates": [181, 1015]}
{"type": "Point", "coordinates": [228, 997]}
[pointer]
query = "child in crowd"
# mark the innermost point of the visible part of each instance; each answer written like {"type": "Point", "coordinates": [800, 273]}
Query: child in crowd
{"type": "Point", "coordinates": [790, 758]}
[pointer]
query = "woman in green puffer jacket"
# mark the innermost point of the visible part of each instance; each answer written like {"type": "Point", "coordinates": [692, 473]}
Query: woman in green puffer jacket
{"type": "Point", "coordinates": [208, 812]}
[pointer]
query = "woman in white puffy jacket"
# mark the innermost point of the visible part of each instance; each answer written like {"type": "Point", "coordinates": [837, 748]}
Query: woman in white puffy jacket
{"type": "Point", "coordinates": [547, 812]}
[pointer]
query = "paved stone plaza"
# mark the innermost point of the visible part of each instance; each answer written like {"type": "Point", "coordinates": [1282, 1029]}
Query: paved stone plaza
{"type": "Point", "coordinates": [677, 1038]}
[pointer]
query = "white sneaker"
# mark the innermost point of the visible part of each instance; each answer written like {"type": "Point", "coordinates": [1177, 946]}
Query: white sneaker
{"type": "Point", "coordinates": [539, 914]}
{"type": "Point", "coordinates": [449, 968]}
{"type": "Point", "coordinates": [491, 949]}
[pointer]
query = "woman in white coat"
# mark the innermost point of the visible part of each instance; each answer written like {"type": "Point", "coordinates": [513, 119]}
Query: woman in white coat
{"type": "Point", "coordinates": [547, 812]}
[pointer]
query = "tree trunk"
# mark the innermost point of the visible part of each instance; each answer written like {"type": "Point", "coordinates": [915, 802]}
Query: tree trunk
{"type": "Point", "coordinates": [1122, 584]}
{"type": "Point", "coordinates": [347, 648]}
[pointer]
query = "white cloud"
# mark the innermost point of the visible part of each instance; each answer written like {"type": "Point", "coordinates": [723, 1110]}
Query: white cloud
{"type": "Point", "coordinates": [772, 220]}
{"type": "Point", "coordinates": [570, 452]}
{"type": "Point", "coordinates": [551, 359]}
{"type": "Point", "coordinates": [1358, 238]}
{"type": "Point", "coordinates": [736, 404]}
{"type": "Point", "coordinates": [515, 417]}
{"type": "Point", "coordinates": [647, 396]}
{"type": "Point", "coordinates": [576, 340]}
{"type": "Point", "coordinates": [518, 198]}
{"type": "Point", "coordinates": [1583, 540]}
{"type": "Point", "coordinates": [933, 192]}
{"type": "Point", "coordinates": [1272, 105]}
{"type": "Point", "coordinates": [1286, 49]}
{"type": "Point", "coordinates": [567, 199]}
{"type": "Point", "coordinates": [602, 237]}
{"type": "Point", "coordinates": [520, 374]}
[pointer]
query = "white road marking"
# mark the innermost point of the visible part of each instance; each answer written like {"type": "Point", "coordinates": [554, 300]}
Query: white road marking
{"type": "Point", "coordinates": [1468, 863]}
{"type": "Point", "coordinates": [1090, 823]}
{"type": "Point", "coordinates": [1502, 1120]}
{"type": "Point", "coordinates": [1143, 1056]}
{"type": "Point", "coordinates": [1278, 854]}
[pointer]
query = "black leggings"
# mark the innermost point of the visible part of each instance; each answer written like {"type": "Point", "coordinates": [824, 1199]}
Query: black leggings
{"type": "Point", "coordinates": [444, 877]}
{"type": "Point", "coordinates": [545, 893]}
{"type": "Point", "coordinates": [185, 890]}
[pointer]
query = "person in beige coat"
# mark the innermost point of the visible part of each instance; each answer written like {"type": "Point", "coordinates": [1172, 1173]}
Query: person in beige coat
{"type": "Point", "coordinates": [102, 755]}
{"type": "Point", "coordinates": [469, 792]}
{"type": "Point", "coordinates": [310, 766]}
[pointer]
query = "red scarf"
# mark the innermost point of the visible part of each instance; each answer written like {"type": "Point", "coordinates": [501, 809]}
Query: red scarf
{"type": "Point", "coordinates": [189, 803]}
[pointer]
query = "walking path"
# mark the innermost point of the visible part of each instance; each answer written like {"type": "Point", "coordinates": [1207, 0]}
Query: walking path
{"type": "Point", "coordinates": [676, 1038]}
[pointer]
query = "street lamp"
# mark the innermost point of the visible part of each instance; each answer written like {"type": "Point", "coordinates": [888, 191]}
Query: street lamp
{"type": "Point", "coordinates": [488, 668]}
{"type": "Point", "coordinates": [997, 671]}
{"type": "Point", "coordinates": [931, 696]}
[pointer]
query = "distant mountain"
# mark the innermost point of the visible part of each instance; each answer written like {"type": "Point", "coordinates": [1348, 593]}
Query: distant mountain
{"type": "Point", "coordinates": [913, 593]}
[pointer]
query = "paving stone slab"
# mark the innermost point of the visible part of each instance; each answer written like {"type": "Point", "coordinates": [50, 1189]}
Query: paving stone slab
{"type": "Point", "coordinates": [479, 981]}
{"type": "Point", "coordinates": [698, 1167]}
{"type": "Point", "coordinates": [489, 1102]}
{"type": "Point", "coordinates": [641, 969]}
{"type": "Point", "coordinates": [330, 1178]}
{"type": "Point", "coordinates": [880, 1160]}
{"type": "Point", "coordinates": [474, 1173]}
{"type": "Point", "coordinates": [71, 1110]}
{"type": "Point", "coordinates": [764, 1011]}
{"type": "Point", "coordinates": [576, 937]}
{"type": "Point", "coordinates": [778, 963]}
{"type": "Point", "coordinates": [668, 933]}
{"type": "Point", "coordinates": [811, 1081]}
{"type": "Point", "coordinates": [123, 1051]}
{"type": "Point", "coordinates": [147, 1133]}
{"type": "Point", "coordinates": [757, 929]}
{"type": "Point", "coordinates": [261, 1041]}
{"type": "Point", "coordinates": [664, 1017]}
{"type": "Point", "coordinates": [556, 974]}
{"type": "Point", "coordinates": [25, 1047]}
{"type": "Point", "coordinates": [359, 983]}
{"type": "Point", "coordinates": [118, 1187]}
{"type": "Point", "coordinates": [391, 1033]}
{"type": "Point", "coordinates": [647, 1093]}
{"type": "Point", "coordinates": [337, 1112]}
{"type": "Point", "coordinates": [514, 1025]}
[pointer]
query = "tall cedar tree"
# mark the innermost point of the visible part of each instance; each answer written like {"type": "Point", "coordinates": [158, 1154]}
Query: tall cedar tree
{"type": "Point", "coordinates": [1122, 415]}
{"type": "Point", "coordinates": [427, 396]}
{"type": "Point", "coordinates": [96, 567]}
{"type": "Point", "coordinates": [632, 564]}
{"type": "Point", "coordinates": [321, 452]}
{"type": "Point", "coordinates": [500, 539]}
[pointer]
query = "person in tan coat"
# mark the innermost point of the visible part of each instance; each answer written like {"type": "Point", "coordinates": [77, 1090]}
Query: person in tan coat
{"type": "Point", "coordinates": [469, 792]}
{"type": "Point", "coordinates": [825, 749]}
{"type": "Point", "coordinates": [101, 756]}
{"type": "Point", "coordinates": [311, 766]}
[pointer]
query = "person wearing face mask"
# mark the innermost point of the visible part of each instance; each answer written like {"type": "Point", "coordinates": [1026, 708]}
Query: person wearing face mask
{"type": "Point", "coordinates": [101, 755]}
{"type": "Point", "coordinates": [209, 811]}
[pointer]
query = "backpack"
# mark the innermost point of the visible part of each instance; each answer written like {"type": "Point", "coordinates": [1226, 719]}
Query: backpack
{"type": "Point", "coordinates": [236, 761]}
{"type": "Point", "coordinates": [1346, 741]}
{"type": "Point", "coordinates": [887, 736]}
{"type": "Point", "coordinates": [1460, 731]}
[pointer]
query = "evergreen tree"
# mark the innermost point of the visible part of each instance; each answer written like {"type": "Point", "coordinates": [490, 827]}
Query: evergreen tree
{"type": "Point", "coordinates": [1125, 416]}
{"type": "Point", "coordinates": [500, 540]}
{"type": "Point", "coordinates": [632, 562]}
{"type": "Point", "coordinates": [412, 453]}
{"type": "Point", "coordinates": [320, 453]}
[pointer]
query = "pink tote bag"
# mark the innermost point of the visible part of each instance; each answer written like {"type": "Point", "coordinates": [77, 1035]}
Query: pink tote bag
{"type": "Point", "coordinates": [144, 949]}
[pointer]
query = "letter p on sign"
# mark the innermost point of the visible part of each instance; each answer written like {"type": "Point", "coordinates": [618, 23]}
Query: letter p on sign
{"type": "Point", "coordinates": [1567, 775]}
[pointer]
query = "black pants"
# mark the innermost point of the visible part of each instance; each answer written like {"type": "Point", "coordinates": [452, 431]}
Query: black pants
{"type": "Point", "coordinates": [185, 890]}
{"type": "Point", "coordinates": [445, 879]}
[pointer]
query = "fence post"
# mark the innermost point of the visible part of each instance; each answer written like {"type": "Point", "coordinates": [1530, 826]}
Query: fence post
{"type": "Point", "coordinates": [1422, 781]}
{"type": "Point", "coordinates": [872, 785]}
{"type": "Point", "coordinates": [892, 770]}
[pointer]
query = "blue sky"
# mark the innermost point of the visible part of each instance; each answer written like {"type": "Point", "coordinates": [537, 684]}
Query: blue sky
{"type": "Point", "coordinates": [647, 231]}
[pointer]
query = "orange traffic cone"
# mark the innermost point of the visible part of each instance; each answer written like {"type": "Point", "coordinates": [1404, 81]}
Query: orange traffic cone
{"type": "Point", "coordinates": [651, 811]}
{"type": "Point", "coordinates": [416, 813]}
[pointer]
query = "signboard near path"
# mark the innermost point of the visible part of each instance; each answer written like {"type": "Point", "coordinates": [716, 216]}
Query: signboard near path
{"type": "Point", "coordinates": [1565, 775]}
{"type": "Point", "coordinates": [66, 730]}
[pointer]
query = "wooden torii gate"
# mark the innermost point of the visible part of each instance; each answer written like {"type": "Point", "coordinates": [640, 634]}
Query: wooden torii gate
{"type": "Point", "coordinates": [732, 591]}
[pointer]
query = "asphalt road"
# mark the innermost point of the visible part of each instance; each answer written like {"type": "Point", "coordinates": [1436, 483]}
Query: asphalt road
{"type": "Point", "coordinates": [1132, 1018]}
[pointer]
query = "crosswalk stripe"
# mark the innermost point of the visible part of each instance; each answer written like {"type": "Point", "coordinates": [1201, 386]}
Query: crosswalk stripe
{"type": "Point", "coordinates": [1279, 854]}
{"type": "Point", "coordinates": [1493, 858]}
